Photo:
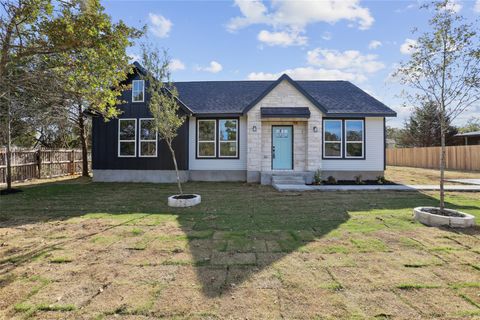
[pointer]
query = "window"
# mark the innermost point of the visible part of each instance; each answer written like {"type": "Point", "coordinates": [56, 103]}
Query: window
{"type": "Point", "coordinates": [127, 130]}
{"type": "Point", "coordinates": [344, 138]}
{"type": "Point", "coordinates": [332, 138]}
{"type": "Point", "coordinates": [354, 138]}
{"type": "Point", "coordinates": [206, 146]}
{"type": "Point", "coordinates": [217, 138]}
{"type": "Point", "coordinates": [138, 87]}
{"type": "Point", "coordinates": [148, 138]}
{"type": "Point", "coordinates": [227, 131]}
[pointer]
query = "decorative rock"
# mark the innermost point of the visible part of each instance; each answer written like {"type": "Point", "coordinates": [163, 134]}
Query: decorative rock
{"type": "Point", "coordinates": [185, 200]}
{"type": "Point", "coordinates": [435, 220]}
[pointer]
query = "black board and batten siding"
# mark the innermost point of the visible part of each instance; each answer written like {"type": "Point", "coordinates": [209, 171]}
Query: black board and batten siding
{"type": "Point", "coordinates": [105, 141]}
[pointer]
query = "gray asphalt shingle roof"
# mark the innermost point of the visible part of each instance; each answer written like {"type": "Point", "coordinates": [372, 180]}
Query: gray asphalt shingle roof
{"type": "Point", "coordinates": [336, 97]}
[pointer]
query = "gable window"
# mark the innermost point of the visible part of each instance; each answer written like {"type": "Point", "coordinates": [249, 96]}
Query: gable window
{"type": "Point", "coordinates": [332, 138]}
{"type": "Point", "coordinates": [127, 131]}
{"type": "Point", "coordinates": [148, 138]}
{"type": "Point", "coordinates": [138, 90]}
{"type": "Point", "coordinates": [206, 144]}
{"type": "Point", "coordinates": [354, 138]}
{"type": "Point", "coordinates": [227, 131]}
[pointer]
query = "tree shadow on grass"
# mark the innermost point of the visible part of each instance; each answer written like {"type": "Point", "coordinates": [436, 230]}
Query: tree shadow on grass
{"type": "Point", "coordinates": [237, 231]}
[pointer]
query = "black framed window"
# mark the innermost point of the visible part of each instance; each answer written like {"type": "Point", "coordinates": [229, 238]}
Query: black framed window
{"type": "Point", "coordinates": [332, 138]}
{"type": "Point", "coordinates": [343, 139]}
{"type": "Point", "coordinates": [354, 132]}
{"type": "Point", "coordinates": [218, 138]}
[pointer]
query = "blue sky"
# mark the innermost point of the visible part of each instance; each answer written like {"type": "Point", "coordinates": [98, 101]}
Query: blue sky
{"type": "Point", "coordinates": [359, 41]}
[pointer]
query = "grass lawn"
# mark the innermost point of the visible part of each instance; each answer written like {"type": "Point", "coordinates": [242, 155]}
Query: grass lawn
{"type": "Point", "coordinates": [407, 175]}
{"type": "Point", "coordinates": [77, 249]}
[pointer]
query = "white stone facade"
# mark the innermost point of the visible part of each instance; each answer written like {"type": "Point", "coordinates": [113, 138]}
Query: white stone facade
{"type": "Point", "coordinates": [307, 153]}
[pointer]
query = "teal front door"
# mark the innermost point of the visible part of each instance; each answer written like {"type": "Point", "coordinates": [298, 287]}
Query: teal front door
{"type": "Point", "coordinates": [282, 147]}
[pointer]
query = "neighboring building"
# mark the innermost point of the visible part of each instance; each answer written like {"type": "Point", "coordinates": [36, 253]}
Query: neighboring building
{"type": "Point", "coordinates": [247, 131]}
{"type": "Point", "coordinates": [467, 139]}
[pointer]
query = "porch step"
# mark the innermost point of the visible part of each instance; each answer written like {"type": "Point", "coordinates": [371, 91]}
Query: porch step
{"type": "Point", "coordinates": [287, 179]}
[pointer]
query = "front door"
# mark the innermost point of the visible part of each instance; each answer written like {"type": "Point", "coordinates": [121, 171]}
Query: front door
{"type": "Point", "coordinates": [282, 147]}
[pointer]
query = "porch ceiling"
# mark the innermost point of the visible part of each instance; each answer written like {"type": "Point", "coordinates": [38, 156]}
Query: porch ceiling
{"type": "Point", "coordinates": [285, 112]}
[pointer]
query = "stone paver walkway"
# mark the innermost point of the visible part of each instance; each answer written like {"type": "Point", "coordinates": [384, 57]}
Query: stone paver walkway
{"type": "Point", "coordinates": [465, 181]}
{"type": "Point", "coordinates": [399, 187]}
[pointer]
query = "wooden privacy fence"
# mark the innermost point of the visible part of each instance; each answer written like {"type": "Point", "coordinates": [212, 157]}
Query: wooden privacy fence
{"type": "Point", "coordinates": [458, 157]}
{"type": "Point", "coordinates": [38, 164]}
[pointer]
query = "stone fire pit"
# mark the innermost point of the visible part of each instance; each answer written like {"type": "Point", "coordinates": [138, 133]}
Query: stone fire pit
{"type": "Point", "coordinates": [455, 219]}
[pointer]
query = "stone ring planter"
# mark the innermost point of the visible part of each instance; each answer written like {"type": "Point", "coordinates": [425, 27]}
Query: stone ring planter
{"type": "Point", "coordinates": [184, 200]}
{"type": "Point", "coordinates": [457, 219]}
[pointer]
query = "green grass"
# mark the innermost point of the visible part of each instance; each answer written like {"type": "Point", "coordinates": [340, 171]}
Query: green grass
{"type": "Point", "coordinates": [241, 233]}
{"type": "Point", "coordinates": [412, 286]}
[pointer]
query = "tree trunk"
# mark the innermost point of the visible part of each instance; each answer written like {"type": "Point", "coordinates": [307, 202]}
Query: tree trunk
{"type": "Point", "coordinates": [169, 143]}
{"type": "Point", "coordinates": [83, 141]}
{"type": "Point", "coordinates": [9, 145]}
{"type": "Point", "coordinates": [442, 167]}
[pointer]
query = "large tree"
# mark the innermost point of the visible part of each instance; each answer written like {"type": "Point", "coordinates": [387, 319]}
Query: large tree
{"type": "Point", "coordinates": [423, 128]}
{"type": "Point", "coordinates": [444, 69]}
{"type": "Point", "coordinates": [48, 35]}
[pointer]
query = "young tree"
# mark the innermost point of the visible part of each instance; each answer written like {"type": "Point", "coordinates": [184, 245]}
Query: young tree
{"type": "Point", "coordinates": [444, 69]}
{"type": "Point", "coordinates": [163, 99]}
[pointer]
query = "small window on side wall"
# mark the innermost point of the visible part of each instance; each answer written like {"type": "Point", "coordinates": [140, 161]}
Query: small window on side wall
{"type": "Point", "coordinates": [332, 139]}
{"type": "Point", "coordinates": [227, 131]}
{"type": "Point", "coordinates": [354, 131]}
{"type": "Point", "coordinates": [206, 146]}
{"type": "Point", "coordinates": [148, 138]}
{"type": "Point", "coordinates": [138, 90]}
{"type": "Point", "coordinates": [127, 131]}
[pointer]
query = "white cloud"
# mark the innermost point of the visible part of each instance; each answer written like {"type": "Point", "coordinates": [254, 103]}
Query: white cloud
{"type": "Point", "coordinates": [160, 26]}
{"type": "Point", "coordinates": [297, 14]}
{"type": "Point", "coordinates": [176, 64]}
{"type": "Point", "coordinates": [283, 38]}
{"type": "Point", "coordinates": [327, 64]}
{"type": "Point", "coordinates": [408, 47]}
{"type": "Point", "coordinates": [308, 73]}
{"type": "Point", "coordinates": [292, 17]}
{"type": "Point", "coordinates": [476, 8]}
{"type": "Point", "coordinates": [374, 44]}
{"type": "Point", "coordinates": [350, 60]}
{"type": "Point", "coordinates": [453, 5]}
{"type": "Point", "coordinates": [214, 67]}
{"type": "Point", "coordinates": [328, 36]}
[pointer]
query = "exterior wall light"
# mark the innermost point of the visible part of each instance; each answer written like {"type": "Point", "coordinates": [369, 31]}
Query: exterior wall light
{"type": "Point", "coordinates": [315, 129]}
{"type": "Point", "coordinates": [254, 128]}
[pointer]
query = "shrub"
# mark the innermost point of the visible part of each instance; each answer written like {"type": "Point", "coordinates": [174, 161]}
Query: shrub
{"type": "Point", "coordinates": [381, 180]}
{"type": "Point", "coordinates": [331, 180]}
{"type": "Point", "coordinates": [317, 178]}
{"type": "Point", "coordinates": [358, 179]}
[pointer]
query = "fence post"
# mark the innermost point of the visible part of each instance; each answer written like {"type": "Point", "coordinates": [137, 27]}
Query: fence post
{"type": "Point", "coordinates": [38, 158]}
{"type": "Point", "coordinates": [72, 162]}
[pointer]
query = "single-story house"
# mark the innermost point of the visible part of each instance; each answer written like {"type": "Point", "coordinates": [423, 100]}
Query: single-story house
{"type": "Point", "coordinates": [467, 138]}
{"type": "Point", "coordinates": [246, 131]}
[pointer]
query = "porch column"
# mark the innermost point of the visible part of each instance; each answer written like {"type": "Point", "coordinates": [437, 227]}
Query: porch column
{"type": "Point", "coordinates": [314, 141]}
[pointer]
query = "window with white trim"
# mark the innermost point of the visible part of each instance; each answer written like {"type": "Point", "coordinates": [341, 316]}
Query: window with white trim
{"type": "Point", "coordinates": [127, 132]}
{"type": "Point", "coordinates": [227, 132]}
{"type": "Point", "coordinates": [354, 131]}
{"type": "Point", "coordinates": [206, 138]}
{"type": "Point", "coordinates": [148, 138]}
{"type": "Point", "coordinates": [332, 138]}
{"type": "Point", "coordinates": [138, 90]}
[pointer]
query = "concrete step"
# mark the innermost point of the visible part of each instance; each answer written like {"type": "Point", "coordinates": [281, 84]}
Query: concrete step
{"type": "Point", "coordinates": [284, 179]}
